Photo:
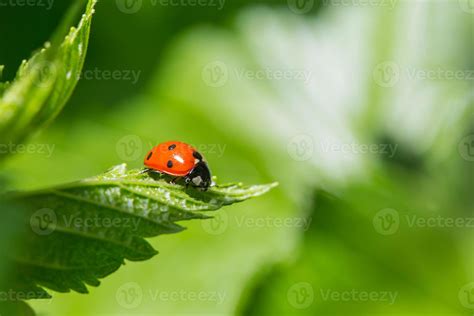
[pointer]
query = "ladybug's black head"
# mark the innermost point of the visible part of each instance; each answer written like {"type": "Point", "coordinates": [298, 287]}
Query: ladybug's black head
{"type": "Point", "coordinates": [200, 176]}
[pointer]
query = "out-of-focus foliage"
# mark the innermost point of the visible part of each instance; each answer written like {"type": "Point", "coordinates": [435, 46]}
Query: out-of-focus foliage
{"type": "Point", "coordinates": [350, 259]}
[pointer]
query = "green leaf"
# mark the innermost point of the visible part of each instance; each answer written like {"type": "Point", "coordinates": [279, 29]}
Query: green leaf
{"type": "Point", "coordinates": [83, 231]}
{"type": "Point", "coordinates": [44, 83]}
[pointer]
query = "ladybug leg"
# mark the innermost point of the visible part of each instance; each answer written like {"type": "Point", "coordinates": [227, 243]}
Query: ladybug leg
{"type": "Point", "coordinates": [145, 170]}
{"type": "Point", "coordinates": [174, 180]}
{"type": "Point", "coordinates": [149, 170]}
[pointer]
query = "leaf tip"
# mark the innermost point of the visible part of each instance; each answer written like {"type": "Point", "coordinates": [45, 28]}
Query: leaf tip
{"type": "Point", "coordinates": [273, 184]}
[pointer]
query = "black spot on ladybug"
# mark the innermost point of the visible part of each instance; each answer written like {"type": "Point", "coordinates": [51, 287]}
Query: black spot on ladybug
{"type": "Point", "coordinates": [169, 164]}
{"type": "Point", "coordinates": [149, 155]}
{"type": "Point", "coordinates": [171, 147]}
{"type": "Point", "coordinates": [197, 155]}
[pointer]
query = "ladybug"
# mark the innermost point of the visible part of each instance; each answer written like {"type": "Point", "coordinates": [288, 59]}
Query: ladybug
{"type": "Point", "coordinates": [180, 160]}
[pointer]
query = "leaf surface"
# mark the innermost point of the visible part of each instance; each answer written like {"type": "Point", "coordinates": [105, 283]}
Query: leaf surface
{"type": "Point", "coordinates": [84, 231]}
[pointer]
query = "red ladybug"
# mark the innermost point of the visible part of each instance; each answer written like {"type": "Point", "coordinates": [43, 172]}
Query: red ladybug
{"type": "Point", "coordinates": [180, 160]}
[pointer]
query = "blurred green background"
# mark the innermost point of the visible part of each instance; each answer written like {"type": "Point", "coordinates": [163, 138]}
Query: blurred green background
{"type": "Point", "coordinates": [361, 110]}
